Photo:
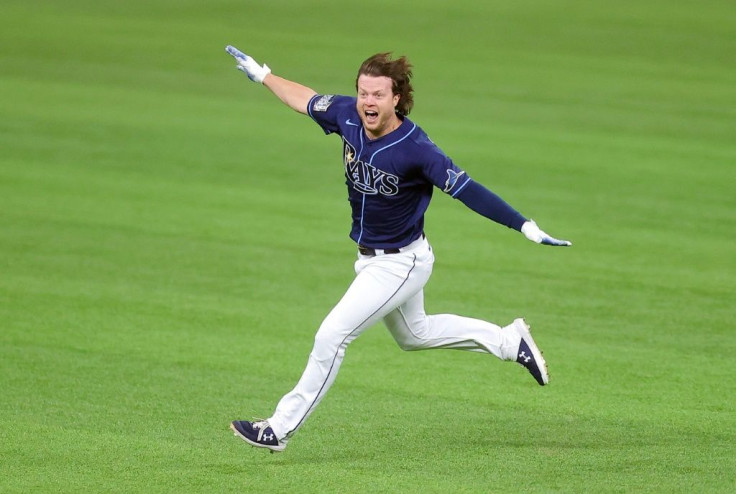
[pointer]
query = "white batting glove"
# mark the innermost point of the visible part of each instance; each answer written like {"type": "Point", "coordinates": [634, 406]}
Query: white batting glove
{"type": "Point", "coordinates": [255, 72]}
{"type": "Point", "coordinates": [533, 233]}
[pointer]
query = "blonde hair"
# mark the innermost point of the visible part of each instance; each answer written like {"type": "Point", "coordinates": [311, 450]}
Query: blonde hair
{"type": "Point", "coordinates": [399, 71]}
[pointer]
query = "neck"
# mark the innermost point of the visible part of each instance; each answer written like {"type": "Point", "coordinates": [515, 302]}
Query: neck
{"type": "Point", "coordinates": [394, 124]}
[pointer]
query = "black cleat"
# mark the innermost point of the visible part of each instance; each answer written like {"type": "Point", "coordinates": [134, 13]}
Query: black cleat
{"type": "Point", "coordinates": [529, 354]}
{"type": "Point", "coordinates": [258, 434]}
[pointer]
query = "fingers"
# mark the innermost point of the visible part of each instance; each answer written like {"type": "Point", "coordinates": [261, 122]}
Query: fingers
{"type": "Point", "coordinates": [547, 240]}
{"type": "Point", "coordinates": [235, 52]}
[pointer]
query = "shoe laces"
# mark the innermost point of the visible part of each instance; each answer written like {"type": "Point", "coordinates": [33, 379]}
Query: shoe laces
{"type": "Point", "coordinates": [261, 425]}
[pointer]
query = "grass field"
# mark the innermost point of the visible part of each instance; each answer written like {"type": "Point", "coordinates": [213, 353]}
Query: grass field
{"type": "Point", "coordinates": [171, 237]}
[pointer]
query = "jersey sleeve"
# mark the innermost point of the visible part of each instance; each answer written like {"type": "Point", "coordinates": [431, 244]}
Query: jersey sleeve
{"type": "Point", "coordinates": [325, 109]}
{"type": "Point", "coordinates": [440, 170]}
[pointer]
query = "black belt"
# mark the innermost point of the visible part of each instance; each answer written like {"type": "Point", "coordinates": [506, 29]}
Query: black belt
{"type": "Point", "coordinates": [369, 251]}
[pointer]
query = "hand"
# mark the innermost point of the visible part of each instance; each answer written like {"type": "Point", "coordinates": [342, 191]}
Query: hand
{"type": "Point", "coordinates": [255, 72]}
{"type": "Point", "coordinates": [533, 233]}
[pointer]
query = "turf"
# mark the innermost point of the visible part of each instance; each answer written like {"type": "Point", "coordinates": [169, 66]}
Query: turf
{"type": "Point", "coordinates": [171, 237]}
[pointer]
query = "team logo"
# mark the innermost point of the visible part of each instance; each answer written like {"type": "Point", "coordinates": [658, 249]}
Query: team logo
{"type": "Point", "coordinates": [365, 177]}
{"type": "Point", "coordinates": [452, 177]}
{"type": "Point", "coordinates": [324, 102]}
{"type": "Point", "coordinates": [349, 154]}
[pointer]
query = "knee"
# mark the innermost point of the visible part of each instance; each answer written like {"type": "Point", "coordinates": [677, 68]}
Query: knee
{"type": "Point", "coordinates": [408, 344]}
{"type": "Point", "coordinates": [328, 340]}
{"type": "Point", "coordinates": [325, 338]}
{"type": "Point", "coordinates": [409, 338]}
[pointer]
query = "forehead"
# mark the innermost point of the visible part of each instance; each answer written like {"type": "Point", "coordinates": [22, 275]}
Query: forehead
{"type": "Point", "coordinates": [370, 83]}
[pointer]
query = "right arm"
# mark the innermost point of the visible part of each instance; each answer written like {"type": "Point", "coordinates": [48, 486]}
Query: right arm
{"type": "Point", "coordinates": [292, 94]}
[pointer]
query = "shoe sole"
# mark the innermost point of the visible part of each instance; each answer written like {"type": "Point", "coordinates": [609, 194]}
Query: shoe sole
{"type": "Point", "coordinates": [525, 332]}
{"type": "Point", "coordinates": [274, 449]}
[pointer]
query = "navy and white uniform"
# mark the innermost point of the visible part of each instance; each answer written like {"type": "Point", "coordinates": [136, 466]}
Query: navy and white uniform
{"type": "Point", "coordinates": [390, 182]}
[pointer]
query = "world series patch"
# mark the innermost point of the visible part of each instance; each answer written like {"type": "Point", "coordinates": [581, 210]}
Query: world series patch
{"type": "Point", "coordinates": [323, 103]}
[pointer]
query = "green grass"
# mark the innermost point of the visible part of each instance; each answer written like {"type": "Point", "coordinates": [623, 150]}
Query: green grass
{"type": "Point", "coordinates": [171, 237]}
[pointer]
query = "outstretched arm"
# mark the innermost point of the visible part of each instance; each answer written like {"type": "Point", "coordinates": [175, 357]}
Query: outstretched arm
{"type": "Point", "coordinates": [488, 204]}
{"type": "Point", "coordinates": [292, 94]}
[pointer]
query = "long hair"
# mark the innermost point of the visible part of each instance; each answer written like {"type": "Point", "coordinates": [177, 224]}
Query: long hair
{"type": "Point", "coordinates": [399, 71]}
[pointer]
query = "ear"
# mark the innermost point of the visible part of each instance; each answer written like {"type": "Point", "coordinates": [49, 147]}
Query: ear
{"type": "Point", "coordinates": [397, 97]}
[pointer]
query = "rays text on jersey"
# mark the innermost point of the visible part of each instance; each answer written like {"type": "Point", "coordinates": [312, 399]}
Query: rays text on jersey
{"type": "Point", "coordinates": [366, 178]}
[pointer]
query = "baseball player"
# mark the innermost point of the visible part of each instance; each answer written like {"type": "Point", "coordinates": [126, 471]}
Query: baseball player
{"type": "Point", "coordinates": [391, 168]}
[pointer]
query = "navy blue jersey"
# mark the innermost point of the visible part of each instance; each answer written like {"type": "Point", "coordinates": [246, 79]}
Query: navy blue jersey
{"type": "Point", "coordinates": [390, 179]}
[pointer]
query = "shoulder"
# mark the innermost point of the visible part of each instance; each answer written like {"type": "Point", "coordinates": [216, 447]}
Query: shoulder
{"type": "Point", "coordinates": [322, 103]}
{"type": "Point", "coordinates": [420, 143]}
{"type": "Point", "coordinates": [329, 109]}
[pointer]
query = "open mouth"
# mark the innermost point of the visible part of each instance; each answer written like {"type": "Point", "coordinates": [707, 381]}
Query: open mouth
{"type": "Point", "coordinates": [371, 116]}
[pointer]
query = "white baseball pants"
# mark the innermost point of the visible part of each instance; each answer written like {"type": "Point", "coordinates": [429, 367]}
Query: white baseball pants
{"type": "Point", "coordinates": [387, 287]}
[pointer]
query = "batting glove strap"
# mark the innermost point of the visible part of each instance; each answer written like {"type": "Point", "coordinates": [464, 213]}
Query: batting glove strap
{"type": "Point", "coordinates": [248, 65]}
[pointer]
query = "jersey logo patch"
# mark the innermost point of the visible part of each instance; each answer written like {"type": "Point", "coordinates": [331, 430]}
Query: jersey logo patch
{"type": "Point", "coordinates": [452, 178]}
{"type": "Point", "coordinates": [323, 103]}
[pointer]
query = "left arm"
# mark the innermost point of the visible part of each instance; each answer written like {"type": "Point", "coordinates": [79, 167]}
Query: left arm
{"type": "Point", "coordinates": [488, 204]}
